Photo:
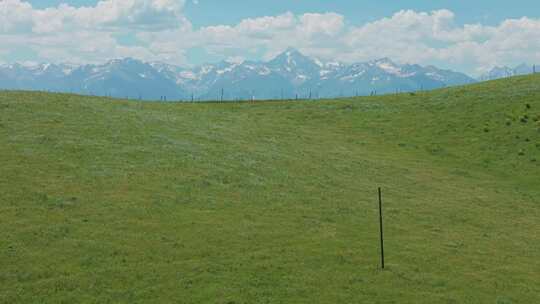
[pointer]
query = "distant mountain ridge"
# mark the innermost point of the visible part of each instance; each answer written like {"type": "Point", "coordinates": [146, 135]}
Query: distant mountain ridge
{"type": "Point", "coordinates": [504, 71]}
{"type": "Point", "coordinates": [289, 75]}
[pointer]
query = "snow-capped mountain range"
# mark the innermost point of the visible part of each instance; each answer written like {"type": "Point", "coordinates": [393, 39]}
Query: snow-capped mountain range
{"type": "Point", "coordinates": [289, 75]}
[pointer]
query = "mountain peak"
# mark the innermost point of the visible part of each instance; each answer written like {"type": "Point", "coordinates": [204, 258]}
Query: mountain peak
{"type": "Point", "coordinates": [290, 54]}
{"type": "Point", "coordinates": [292, 51]}
{"type": "Point", "coordinates": [292, 58]}
{"type": "Point", "coordinates": [383, 61]}
{"type": "Point", "coordinates": [126, 60]}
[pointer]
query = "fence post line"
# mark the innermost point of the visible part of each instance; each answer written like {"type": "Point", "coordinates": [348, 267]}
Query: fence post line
{"type": "Point", "coordinates": [381, 228]}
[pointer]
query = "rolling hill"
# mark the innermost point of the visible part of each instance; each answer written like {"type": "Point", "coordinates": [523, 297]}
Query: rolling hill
{"type": "Point", "coordinates": [272, 202]}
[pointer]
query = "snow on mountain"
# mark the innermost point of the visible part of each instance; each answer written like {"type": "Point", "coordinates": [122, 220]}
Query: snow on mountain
{"type": "Point", "coordinates": [295, 67]}
{"type": "Point", "coordinates": [390, 67]}
{"type": "Point", "coordinates": [288, 75]}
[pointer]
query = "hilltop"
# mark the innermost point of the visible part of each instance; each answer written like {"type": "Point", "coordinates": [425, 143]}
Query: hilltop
{"type": "Point", "coordinates": [123, 201]}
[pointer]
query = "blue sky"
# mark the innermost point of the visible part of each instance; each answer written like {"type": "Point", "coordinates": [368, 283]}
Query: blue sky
{"type": "Point", "coordinates": [210, 12]}
{"type": "Point", "coordinates": [469, 36]}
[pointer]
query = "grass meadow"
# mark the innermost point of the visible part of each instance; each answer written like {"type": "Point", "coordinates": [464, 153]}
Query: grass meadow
{"type": "Point", "coordinates": [121, 201]}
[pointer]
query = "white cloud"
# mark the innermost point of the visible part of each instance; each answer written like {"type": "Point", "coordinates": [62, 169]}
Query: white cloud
{"type": "Point", "coordinates": [328, 24]}
{"type": "Point", "coordinates": [86, 34]}
{"type": "Point", "coordinates": [15, 16]}
{"type": "Point", "coordinates": [271, 33]}
{"type": "Point", "coordinates": [106, 15]}
{"type": "Point", "coordinates": [162, 32]}
{"type": "Point", "coordinates": [410, 36]}
{"type": "Point", "coordinates": [265, 25]}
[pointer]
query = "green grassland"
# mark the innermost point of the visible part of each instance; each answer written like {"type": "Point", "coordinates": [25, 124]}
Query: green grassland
{"type": "Point", "coordinates": [116, 201]}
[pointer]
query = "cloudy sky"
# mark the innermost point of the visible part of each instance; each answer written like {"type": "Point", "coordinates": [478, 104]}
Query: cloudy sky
{"type": "Point", "coordinates": [468, 36]}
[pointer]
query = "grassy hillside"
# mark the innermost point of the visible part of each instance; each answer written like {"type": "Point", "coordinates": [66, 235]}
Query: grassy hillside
{"type": "Point", "coordinates": [272, 202]}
